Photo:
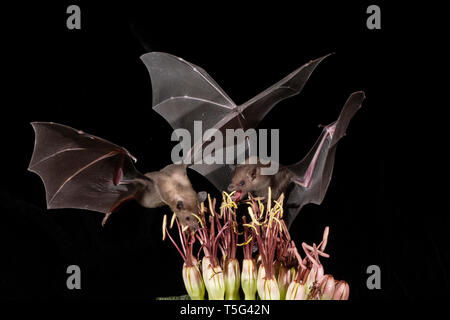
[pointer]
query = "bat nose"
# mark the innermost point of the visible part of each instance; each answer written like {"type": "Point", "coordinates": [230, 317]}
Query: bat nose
{"type": "Point", "coordinates": [230, 188]}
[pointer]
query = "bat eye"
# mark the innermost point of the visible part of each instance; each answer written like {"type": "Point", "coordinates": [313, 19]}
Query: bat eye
{"type": "Point", "coordinates": [188, 218]}
{"type": "Point", "coordinates": [180, 205]}
{"type": "Point", "coordinates": [242, 183]}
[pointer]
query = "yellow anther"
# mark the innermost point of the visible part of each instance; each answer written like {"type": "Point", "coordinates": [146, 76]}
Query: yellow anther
{"type": "Point", "coordinates": [245, 243]}
{"type": "Point", "coordinates": [279, 223]}
{"type": "Point", "coordinates": [252, 215]}
{"type": "Point", "coordinates": [251, 226]}
{"type": "Point", "coordinates": [202, 207]}
{"type": "Point", "coordinates": [172, 220]}
{"type": "Point", "coordinates": [199, 220]}
{"type": "Point", "coordinates": [211, 211]}
{"type": "Point", "coordinates": [164, 225]}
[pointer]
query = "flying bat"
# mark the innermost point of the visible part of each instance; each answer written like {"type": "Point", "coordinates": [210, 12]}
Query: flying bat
{"type": "Point", "coordinates": [83, 171]}
{"type": "Point", "coordinates": [183, 93]}
{"type": "Point", "coordinates": [303, 182]}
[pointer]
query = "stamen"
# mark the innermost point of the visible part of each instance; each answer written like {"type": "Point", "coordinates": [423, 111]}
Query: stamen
{"type": "Point", "coordinates": [172, 220]}
{"type": "Point", "coordinates": [164, 223]}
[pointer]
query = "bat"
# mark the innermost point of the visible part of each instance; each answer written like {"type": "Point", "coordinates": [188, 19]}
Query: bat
{"type": "Point", "coordinates": [303, 182]}
{"type": "Point", "coordinates": [183, 93]}
{"type": "Point", "coordinates": [83, 171]}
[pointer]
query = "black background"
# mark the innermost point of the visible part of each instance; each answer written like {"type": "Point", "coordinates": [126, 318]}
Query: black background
{"type": "Point", "coordinates": [92, 79]}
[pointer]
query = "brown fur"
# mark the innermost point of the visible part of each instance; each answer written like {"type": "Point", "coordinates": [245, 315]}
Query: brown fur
{"type": "Point", "coordinates": [170, 186]}
{"type": "Point", "coordinates": [247, 178]}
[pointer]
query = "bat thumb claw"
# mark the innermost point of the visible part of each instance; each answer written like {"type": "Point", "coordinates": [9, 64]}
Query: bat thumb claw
{"type": "Point", "coordinates": [105, 218]}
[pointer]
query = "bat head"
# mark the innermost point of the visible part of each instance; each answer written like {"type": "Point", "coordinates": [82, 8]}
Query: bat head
{"type": "Point", "coordinates": [176, 190]}
{"type": "Point", "coordinates": [246, 179]}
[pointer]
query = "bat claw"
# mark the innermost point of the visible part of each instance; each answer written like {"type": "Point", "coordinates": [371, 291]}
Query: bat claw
{"type": "Point", "coordinates": [105, 218]}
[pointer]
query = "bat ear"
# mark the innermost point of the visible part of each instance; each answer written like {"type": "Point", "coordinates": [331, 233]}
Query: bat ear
{"type": "Point", "coordinates": [145, 180]}
{"type": "Point", "coordinates": [253, 173]}
{"type": "Point", "coordinates": [180, 205]}
{"type": "Point", "coordinates": [201, 196]}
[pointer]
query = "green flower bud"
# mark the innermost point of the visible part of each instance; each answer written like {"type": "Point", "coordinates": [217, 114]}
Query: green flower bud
{"type": "Point", "coordinates": [248, 278]}
{"type": "Point", "coordinates": [193, 282]}
{"type": "Point", "coordinates": [232, 275]}
{"type": "Point", "coordinates": [214, 279]}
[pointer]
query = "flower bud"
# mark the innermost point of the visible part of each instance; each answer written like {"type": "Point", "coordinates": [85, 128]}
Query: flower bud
{"type": "Point", "coordinates": [285, 277]}
{"type": "Point", "coordinates": [193, 282]}
{"type": "Point", "coordinates": [248, 278]}
{"type": "Point", "coordinates": [327, 287]}
{"type": "Point", "coordinates": [310, 281]}
{"type": "Point", "coordinates": [260, 280]}
{"type": "Point", "coordinates": [267, 288]}
{"type": "Point", "coordinates": [342, 291]}
{"type": "Point", "coordinates": [296, 291]}
{"type": "Point", "coordinates": [271, 291]}
{"type": "Point", "coordinates": [232, 277]}
{"type": "Point", "coordinates": [213, 278]}
{"type": "Point", "coordinates": [314, 277]}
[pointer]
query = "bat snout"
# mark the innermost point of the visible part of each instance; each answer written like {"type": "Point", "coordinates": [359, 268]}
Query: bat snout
{"type": "Point", "coordinates": [187, 220]}
{"type": "Point", "coordinates": [237, 195]}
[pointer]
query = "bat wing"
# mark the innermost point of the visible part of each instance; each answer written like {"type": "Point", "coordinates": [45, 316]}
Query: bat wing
{"type": "Point", "coordinates": [255, 109]}
{"type": "Point", "coordinates": [219, 174]}
{"type": "Point", "coordinates": [184, 93]}
{"type": "Point", "coordinates": [80, 170]}
{"type": "Point", "coordinates": [312, 175]}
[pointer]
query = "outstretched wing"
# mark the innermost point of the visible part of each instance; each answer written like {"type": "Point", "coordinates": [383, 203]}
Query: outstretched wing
{"type": "Point", "coordinates": [184, 93]}
{"type": "Point", "coordinates": [80, 170]}
{"type": "Point", "coordinates": [219, 174]}
{"type": "Point", "coordinates": [312, 175]}
{"type": "Point", "coordinates": [255, 109]}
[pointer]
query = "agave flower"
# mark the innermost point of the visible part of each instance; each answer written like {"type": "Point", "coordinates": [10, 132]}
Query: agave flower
{"type": "Point", "coordinates": [311, 280]}
{"type": "Point", "coordinates": [297, 289]}
{"type": "Point", "coordinates": [279, 271]}
{"type": "Point", "coordinates": [341, 291]}
{"type": "Point", "coordinates": [228, 245]}
{"type": "Point", "coordinates": [327, 287]}
{"type": "Point", "coordinates": [249, 268]}
{"type": "Point", "coordinates": [266, 226]}
{"type": "Point", "coordinates": [192, 277]}
{"type": "Point", "coordinates": [287, 261]}
{"type": "Point", "coordinates": [209, 235]}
